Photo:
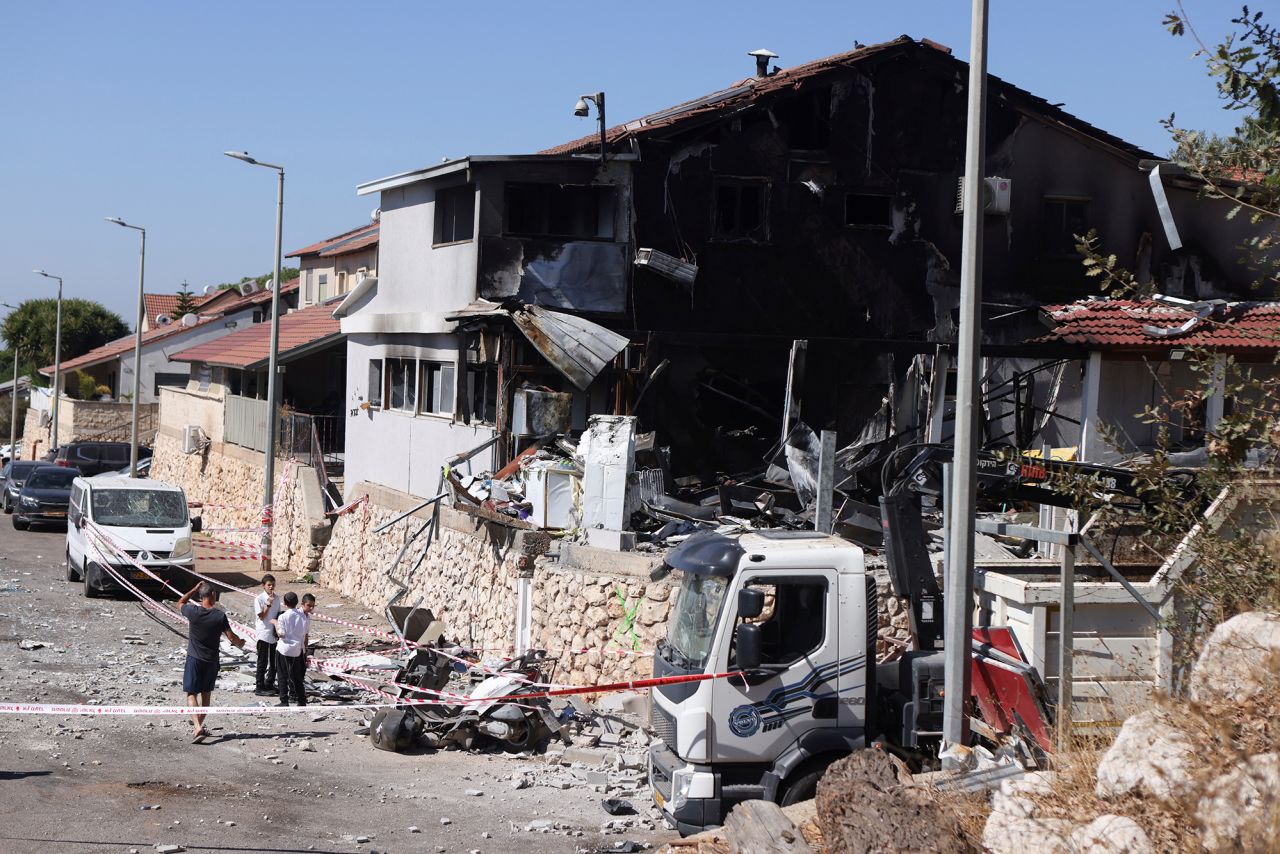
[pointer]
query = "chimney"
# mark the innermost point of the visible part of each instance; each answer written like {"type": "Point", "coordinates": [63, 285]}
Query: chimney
{"type": "Point", "coordinates": [763, 55]}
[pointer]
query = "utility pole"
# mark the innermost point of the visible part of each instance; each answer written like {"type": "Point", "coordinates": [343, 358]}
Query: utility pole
{"type": "Point", "coordinates": [959, 581]}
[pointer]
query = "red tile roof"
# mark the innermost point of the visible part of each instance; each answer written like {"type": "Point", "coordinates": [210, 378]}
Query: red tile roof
{"type": "Point", "coordinates": [118, 347]}
{"type": "Point", "coordinates": [744, 92]}
{"type": "Point", "coordinates": [1134, 325]}
{"type": "Point", "coordinates": [246, 348]}
{"type": "Point", "coordinates": [349, 241]}
{"type": "Point", "coordinates": [155, 305]}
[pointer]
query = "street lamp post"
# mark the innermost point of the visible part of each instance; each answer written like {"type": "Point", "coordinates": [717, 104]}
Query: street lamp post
{"type": "Point", "coordinates": [273, 371]}
{"type": "Point", "coordinates": [137, 342]}
{"type": "Point", "coordinates": [57, 360]}
{"type": "Point", "coordinates": [13, 417]}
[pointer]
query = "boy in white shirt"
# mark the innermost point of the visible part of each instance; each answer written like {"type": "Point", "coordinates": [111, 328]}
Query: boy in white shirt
{"type": "Point", "coordinates": [293, 628]}
{"type": "Point", "coordinates": [267, 607]}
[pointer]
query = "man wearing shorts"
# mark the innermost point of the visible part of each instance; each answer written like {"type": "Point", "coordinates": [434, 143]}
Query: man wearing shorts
{"type": "Point", "coordinates": [205, 625]}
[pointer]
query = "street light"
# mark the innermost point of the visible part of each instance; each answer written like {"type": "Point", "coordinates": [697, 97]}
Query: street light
{"type": "Point", "coordinates": [57, 360]}
{"type": "Point", "coordinates": [581, 110]}
{"type": "Point", "coordinates": [269, 463]}
{"type": "Point", "coordinates": [137, 343]}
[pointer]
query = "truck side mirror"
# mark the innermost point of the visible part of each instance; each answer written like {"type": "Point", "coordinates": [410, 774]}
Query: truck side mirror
{"type": "Point", "coordinates": [750, 602]}
{"type": "Point", "coordinates": [747, 641]}
{"type": "Point", "coordinates": [197, 523]}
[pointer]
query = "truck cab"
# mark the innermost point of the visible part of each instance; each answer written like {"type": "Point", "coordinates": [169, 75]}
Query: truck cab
{"type": "Point", "coordinates": [795, 613]}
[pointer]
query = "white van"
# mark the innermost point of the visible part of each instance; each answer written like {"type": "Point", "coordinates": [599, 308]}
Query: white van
{"type": "Point", "coordinates": [146, 519]}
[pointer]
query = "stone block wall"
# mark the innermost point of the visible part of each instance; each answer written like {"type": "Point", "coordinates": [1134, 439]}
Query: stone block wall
{"type": "Point", "coordinates": [35, 435]}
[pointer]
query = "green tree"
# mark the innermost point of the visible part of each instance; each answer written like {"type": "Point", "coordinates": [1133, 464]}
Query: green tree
{"type": "Point", "coordinates": [85, 325]}
{"type": "Point", "coordinates": [186, 302]}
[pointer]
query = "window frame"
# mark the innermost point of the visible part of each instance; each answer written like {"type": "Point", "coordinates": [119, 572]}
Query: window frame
{"type": "Point", "coordinates": [1064, 234]}
{"type": "Point", "coordinates": [603, 210]}
{"type": "Point", "coordinates": [374, 392]}
{"type": "Point", "coordinates": [409, 402]}
{"type": "Point", "coordinates": [446, 209]}
{"type": "Point", "coordinates": [427, 404]}
{"type": "Point", "coordinates": [719, 232]}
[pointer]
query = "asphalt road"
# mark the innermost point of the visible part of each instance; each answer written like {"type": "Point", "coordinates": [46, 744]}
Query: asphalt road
{"type": "Point", "coordinates": [305, 782]}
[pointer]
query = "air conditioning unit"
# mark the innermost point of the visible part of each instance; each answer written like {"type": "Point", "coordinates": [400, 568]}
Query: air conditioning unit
{"type": "Point", "coordinates": [249, 287]}
{"type": "Point", "coordinates": [163, 319]}
{"type": "Point", "coordinates": [192, 439]}
{"type": "Point", "coordinates": [997, 195]}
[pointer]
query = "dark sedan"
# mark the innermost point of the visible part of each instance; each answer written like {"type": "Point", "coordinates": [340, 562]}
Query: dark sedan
{"type": "Point", "coordinates": [44, 497]}
{"type": "Point", "coordinates": [15, 475]}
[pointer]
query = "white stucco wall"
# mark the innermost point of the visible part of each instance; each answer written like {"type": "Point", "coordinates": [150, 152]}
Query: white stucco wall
{"type": "Point", "coordinates": [155, 356]}
{"type": "Point", "coordinates": [397, 449]}
{"type": "Point", "coordinates": [417, 283]}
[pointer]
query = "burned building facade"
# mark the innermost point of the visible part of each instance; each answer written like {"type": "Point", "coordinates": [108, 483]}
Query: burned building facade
{"type": "Point", "coordinates": [782, 250]}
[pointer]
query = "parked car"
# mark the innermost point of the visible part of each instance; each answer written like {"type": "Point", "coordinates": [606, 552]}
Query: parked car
{"type": "Point", "coordinates": [145, 519]}
{"type": "Point", "coordinates": [44, 497]}
{"type": "Point", "coordinates": [15, 475]}
{"type": "Point", "coordinates": [144, 469]}
{"type": "Point", "coordinates": [96, 457]}
{"type": "Point", "coordinates": [6, 452]}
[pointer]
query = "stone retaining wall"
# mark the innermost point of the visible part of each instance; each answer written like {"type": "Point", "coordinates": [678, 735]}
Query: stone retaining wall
{"type": "Point", "coordinates": [599, 612]}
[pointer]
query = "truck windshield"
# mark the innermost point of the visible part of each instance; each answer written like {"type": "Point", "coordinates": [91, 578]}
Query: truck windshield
{"type": "Point", "coordinates": [139, 508]}
{"type": "Point", "coordinates": [693, 626]}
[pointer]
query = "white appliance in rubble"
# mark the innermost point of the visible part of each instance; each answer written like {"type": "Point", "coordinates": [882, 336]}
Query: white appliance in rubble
{"type": "Point", "coordinates": [548, 487]}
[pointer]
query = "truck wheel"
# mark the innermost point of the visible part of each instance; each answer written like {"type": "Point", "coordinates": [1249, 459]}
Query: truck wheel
{"type": "Point", "coordinates": [803, 785]}
{"type": "Point", "coordinates": [72, 575]}
{"type": "Point", "coordinates": [90, 592]}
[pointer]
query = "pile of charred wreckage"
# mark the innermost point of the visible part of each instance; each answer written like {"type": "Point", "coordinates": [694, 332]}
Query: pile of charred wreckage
{"type": "Point", "coordinates": [610, 486]}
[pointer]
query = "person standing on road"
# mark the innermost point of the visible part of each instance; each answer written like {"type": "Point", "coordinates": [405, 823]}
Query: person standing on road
{"type": "Point", "coordinates": [293, 628]}
{"type": "Point", "coordinates": [267, 607]}
{"type": "Point", "coordinates": [205, 625]}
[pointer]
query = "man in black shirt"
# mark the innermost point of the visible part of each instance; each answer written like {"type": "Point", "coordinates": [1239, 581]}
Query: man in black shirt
{"type": "Point", "coordinates": [206, 624]}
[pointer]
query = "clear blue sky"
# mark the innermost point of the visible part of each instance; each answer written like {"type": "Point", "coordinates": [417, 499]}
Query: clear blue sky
{"type": "Point", "coordinates": [123, 108]}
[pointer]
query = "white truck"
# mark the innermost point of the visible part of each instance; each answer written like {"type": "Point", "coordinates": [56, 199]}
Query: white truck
{"type": "Point", "coordinates": [795, 612]}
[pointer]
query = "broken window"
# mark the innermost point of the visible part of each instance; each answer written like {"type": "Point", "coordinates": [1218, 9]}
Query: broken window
{"type": "Point", "coordinates": [401, 388]}
{"type": "Point", "coordinates": [437, 387]}
{"type": "Point", "coordinates": [455, 214]}
{"type": "Point", "coordinates": [555, 210]}
{"type": "Point", "coordinates": [868, 210]}
{"type": "Point", "coordinates": [482, 394]}
{"type": "Point", "coordinates": [1061, 220]}
{"type": "Point", "coordinates": [741, 209]}
{"type": "Point", "coordinates": [375, 383]}
{"type": "Point", "coordinates": [806, 119]}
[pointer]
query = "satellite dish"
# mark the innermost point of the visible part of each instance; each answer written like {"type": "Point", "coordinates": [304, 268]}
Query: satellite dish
{"type": "Point", "coordinates": [249, 287]}
{"type": "Point", "coordinates": [189, 319]}
{"type": "Point", "coordinates": [208, 289]}
{"type": "Point", "coordinates": [376, 214]}
{"type": "Point", "coordinates": [163, 319]}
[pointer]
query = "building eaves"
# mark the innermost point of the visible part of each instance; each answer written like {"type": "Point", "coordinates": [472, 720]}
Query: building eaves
{"type": "Point", "coordinates": [458, 165]}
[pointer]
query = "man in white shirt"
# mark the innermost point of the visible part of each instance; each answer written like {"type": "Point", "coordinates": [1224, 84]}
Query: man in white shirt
{"type": "Point", "coordinates": [267, 607]}
{"type": "Point", "coordinates": [293, 628]}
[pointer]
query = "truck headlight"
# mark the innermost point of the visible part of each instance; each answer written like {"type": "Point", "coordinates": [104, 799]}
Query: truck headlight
{"type": "Point", "coordinates": [681, 781]}
{"type": "Point", "coordinates": [182, 548]}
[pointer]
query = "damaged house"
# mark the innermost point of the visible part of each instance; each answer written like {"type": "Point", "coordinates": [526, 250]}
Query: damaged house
{"type": "Point", "coordinates": [781, 252]}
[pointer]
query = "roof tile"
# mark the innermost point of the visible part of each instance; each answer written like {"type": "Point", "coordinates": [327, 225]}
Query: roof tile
{"type": "Point", "coordinates": [247, 347]}
{"type": "Point", "coordinates": [1122, 324]}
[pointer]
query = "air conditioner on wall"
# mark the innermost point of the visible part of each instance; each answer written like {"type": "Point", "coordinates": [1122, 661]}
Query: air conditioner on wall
{"type": "Point", "coordinates": [997, 195]}
{"type": "Point", "coordinates": [191, 439]}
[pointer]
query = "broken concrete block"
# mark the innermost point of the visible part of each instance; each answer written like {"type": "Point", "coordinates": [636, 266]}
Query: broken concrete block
{"type": "Point", "coordinates": [1111, 834]}
{"type": "Point", "coordinates": [597, 778]}
{"type": "Point", "coordinates": [1149, 755]}
{"type": "Point", "coordinates": [413, 828]}
{"type": "Point", "coordinates": [169, 848]}
{"type": "Point", "coordinates": [473, 793]}
{"type": "Point", "coordinates": [1236, 810]}
{"type": "Point", "coordinates": [1239, 660]}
